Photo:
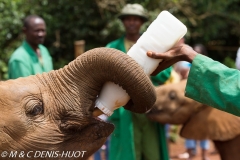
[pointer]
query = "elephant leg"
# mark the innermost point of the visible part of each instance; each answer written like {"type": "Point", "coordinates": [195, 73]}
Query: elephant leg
{"type": "Point", "coordinates": [230, 149]}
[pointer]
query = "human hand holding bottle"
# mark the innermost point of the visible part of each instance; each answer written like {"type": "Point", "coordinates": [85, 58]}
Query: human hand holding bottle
{"type": "Point", "coordinates": [177, 53]}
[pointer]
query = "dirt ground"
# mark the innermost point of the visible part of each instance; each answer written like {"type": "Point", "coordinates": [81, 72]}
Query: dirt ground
{"type": "Point", "coordinates": [178, 148]}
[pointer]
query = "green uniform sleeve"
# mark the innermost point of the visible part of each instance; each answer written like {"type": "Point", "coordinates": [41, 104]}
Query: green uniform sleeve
{"type": "Point", "coordinates": [157, 80]}
{"type": "Point", "coordinates": [18, 69]}
{"type": "Point", "coordinates": [161, 77]}
{"type": "Point", "coordinates": [212, 83]}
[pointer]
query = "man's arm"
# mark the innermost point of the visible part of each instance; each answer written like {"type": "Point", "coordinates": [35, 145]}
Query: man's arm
{"type": "Point", "coordinates": [209, 81]}
{"type": "Point", "coordinates": [176, 54]}
{"type": "Point", "coordinates": [212, 83]}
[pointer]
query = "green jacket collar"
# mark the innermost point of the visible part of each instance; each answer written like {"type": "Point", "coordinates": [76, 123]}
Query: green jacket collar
{"type": "Point", "coordinates": [121, 44]}
{"type": "Point", "coordinates": [29, 49]}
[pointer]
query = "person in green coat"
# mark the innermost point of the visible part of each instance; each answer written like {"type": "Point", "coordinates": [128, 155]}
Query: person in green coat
{"type": "Point", "coordinates": [209, 82]}
{"type": "Point", "coordinates": [135, 137]}
{"type": "Point", "coordinates": [31, 57]}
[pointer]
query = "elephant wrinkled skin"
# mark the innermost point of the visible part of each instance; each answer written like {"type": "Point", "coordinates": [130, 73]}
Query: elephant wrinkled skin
{"type": "Point", "coordinates": [53, 111]}
{"type": "Point", "coordinates": [198, 120]}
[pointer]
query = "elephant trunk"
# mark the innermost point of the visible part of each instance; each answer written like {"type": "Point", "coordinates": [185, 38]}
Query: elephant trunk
{"type": "Point", "coordinates": [85, 77]}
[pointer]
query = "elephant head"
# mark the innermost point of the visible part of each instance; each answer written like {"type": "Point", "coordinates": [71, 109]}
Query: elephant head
{"type": "Point", "coordinates": [53, 111]}
{"type": "Point", "coordinates": [198, 121]}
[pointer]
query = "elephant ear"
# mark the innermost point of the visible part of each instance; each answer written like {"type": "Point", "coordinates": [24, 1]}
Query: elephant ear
{"type": "Point", "coordinates": [211, 123]}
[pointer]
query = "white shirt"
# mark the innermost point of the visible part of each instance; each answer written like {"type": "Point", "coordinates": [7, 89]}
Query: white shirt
{"type": "Point", "coordinates": [238, 59]}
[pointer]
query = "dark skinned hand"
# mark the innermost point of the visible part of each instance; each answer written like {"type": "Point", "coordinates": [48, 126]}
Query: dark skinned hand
{"type": "Point", "coordinates": [178, 53]}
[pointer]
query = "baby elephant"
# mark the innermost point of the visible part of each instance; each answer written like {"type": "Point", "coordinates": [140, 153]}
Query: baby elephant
{"type": "Point", "coordinates": [198, 120]}
{"type": "Point", "coordinates": [50, 115]}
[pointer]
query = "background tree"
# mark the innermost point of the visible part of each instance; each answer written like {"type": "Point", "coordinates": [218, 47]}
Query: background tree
{"type": "Point", "coordinates": [212, 23]}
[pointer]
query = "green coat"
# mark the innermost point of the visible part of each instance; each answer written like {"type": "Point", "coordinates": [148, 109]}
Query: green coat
{"type": "Point", "coordinates": [214, 84]}
{"type": "Point", "coordinates": [122, 139]}
{"type": "Point", "coordinates": [24, 62]}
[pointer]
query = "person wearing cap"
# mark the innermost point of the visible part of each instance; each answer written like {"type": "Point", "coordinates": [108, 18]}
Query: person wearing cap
{"type": "Point", "coordinates": [136, 137]}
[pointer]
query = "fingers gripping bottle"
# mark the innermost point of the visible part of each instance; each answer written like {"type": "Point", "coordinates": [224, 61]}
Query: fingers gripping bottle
{"type": "Point", "coordinates": [162, 34]}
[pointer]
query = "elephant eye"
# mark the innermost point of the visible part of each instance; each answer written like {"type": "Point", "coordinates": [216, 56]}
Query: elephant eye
{"type": "Point", "coordinates": [38, 109]}
{"type": "Point", "coordinates": [172, 95]}
{"type": "Point", "coordinates": [34, 107]}
{"type": "Point", "coordinates": [35, 110]}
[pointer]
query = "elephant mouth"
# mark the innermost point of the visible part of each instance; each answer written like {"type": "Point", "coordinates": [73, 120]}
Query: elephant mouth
{"type": "Point", "coordinates": [102, 128]}
{"type": "Point", "coordinates": [94, 129]}
{"type": "Point", "coordinates": [160, 115]}
{"type": "Point", "coordinates": [90, 138]}
{"type": "Point", "coordinates": [163, 111]}
{"type": "Point", "coordinates": [154, 112]}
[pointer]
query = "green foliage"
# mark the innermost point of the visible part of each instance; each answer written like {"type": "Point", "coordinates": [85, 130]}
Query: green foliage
{"type": "Point", "coordinates": [212, 23]}
{"type": "Point", "coordinates": [11, 15]}
{"type": "Point", "coordinates": [229, 62]}
{"type": "Point", "coordinates": [8, 31]}
{"type": "Point", "coordinates": [77, 20]}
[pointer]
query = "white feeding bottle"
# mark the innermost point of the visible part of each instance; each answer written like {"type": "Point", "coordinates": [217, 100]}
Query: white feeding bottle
{"type": "Point", "coordinates": [162, 34]}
